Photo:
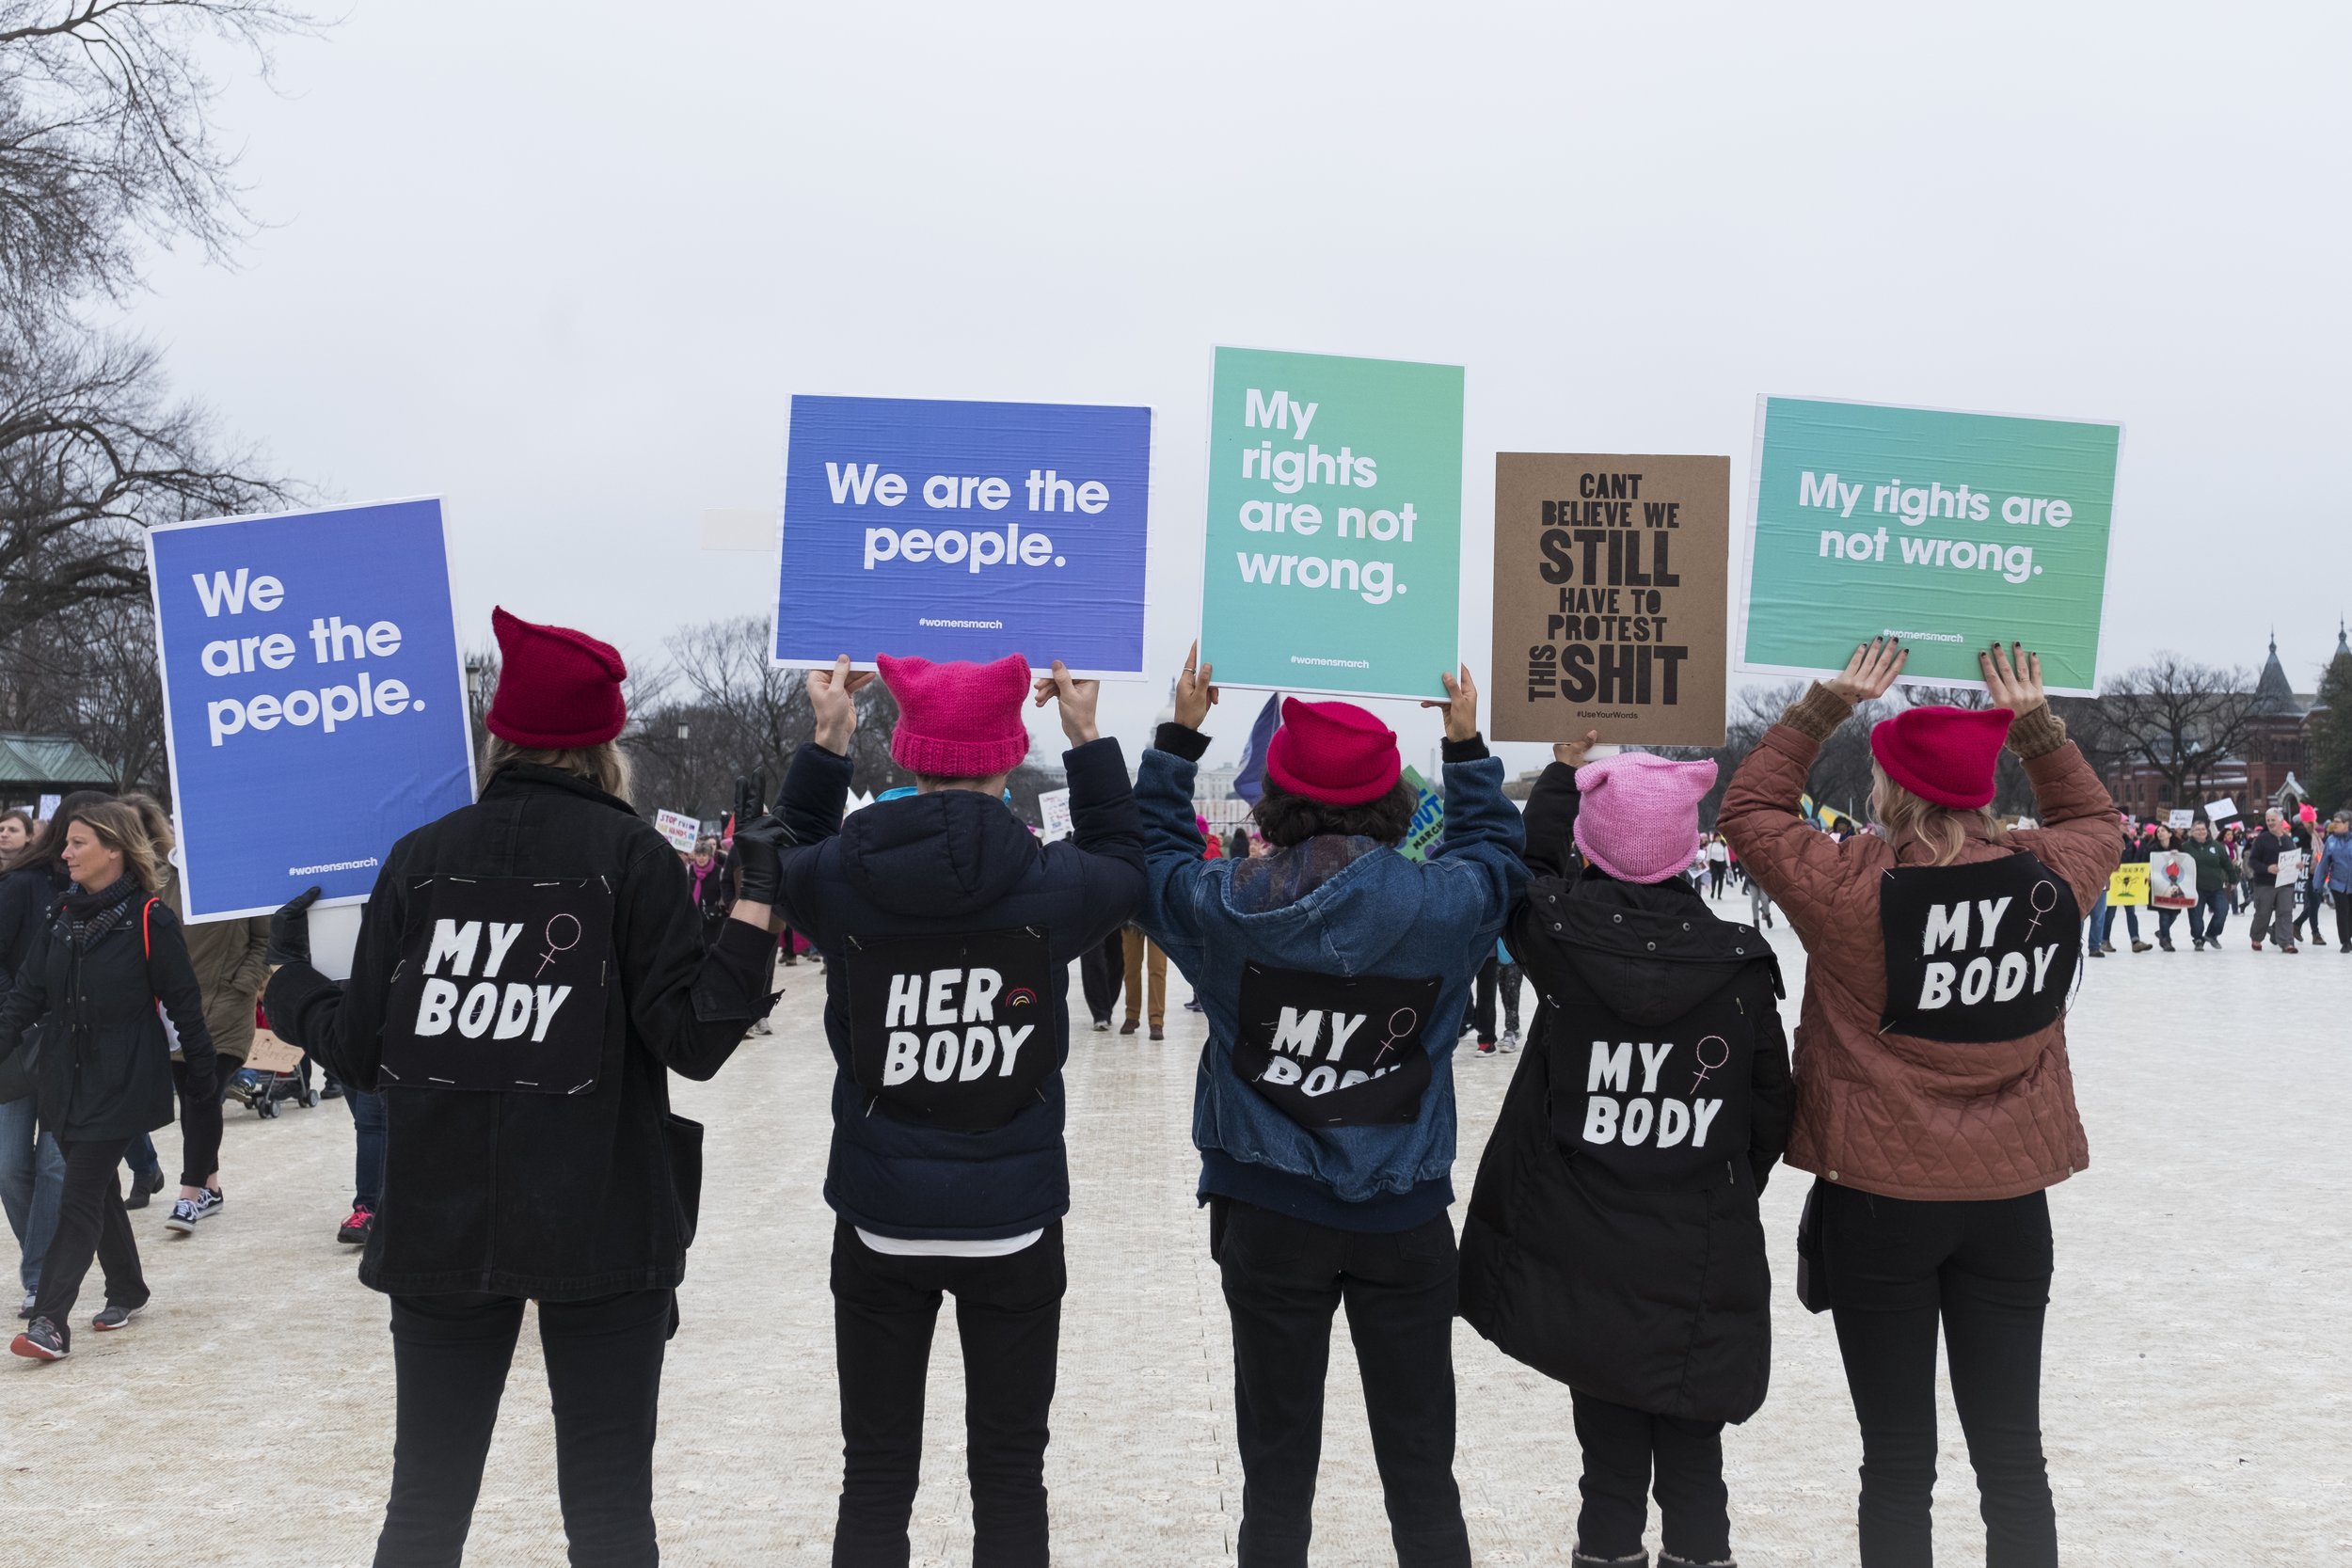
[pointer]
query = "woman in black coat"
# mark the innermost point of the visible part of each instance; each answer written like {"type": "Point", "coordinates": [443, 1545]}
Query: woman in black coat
{"type": "Point", "coordinates": [1613, 1240]}
{"type": "Point", "coordinates": [110, 952]}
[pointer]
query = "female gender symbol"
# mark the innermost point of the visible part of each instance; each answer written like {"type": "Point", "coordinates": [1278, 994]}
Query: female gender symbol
{"type": "Point", "coordinates": [1397, 1031]}
{"type": "Point", "coordinates": [554, 946]}
{"type": "Point", "coordinates": [1707, 1066]}
{"type": "Point", "coordinates": [2033, 898]}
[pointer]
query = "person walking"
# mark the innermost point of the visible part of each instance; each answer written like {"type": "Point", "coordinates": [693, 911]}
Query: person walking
{"type": "Point", "coordinates": [32, 1171]}
{"type": "Point", "coordinates": [1140, 952]}
{"type": "Point", "coordinates": [538, 1159]}
{"type": "Point", "coordinates": [1614, 1241]}
{"type": "Point", "coordinates": [2161, 840]}
{"type": "Point", "coordinates": [2311, 886]}
{"type": "Point", "coordinates": [1335, 972]}
{"type": "Point", "coordinates": [2217, 876]}
{"type": "Point", "coordinates": [2332, 877]}
{"type": "Point", "coordinates": [109, 968]}
{"type": "Point", "coordinates": [1718, 864]}
{"type": "Point", "coordinates": [1099, 968]}
{"type": "Point", "coordinates": [713, 887]}
{"type": "Point", "coordinates": [1935, 1105]}
{"type": "Point", "coordinates": [2274, 898]}
{"type": "Point", "coordinates": [948, 930]}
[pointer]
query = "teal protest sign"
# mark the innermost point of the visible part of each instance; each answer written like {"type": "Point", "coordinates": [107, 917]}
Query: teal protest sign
{"type": "Point", "coordinates": [1334, 553]}
{"type": "Point", "coordinates": [1428, 824]}
{"type": "Point", "coordinates": [1946, 529]}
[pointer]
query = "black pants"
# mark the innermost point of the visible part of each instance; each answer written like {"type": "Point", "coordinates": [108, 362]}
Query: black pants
{"type": "Point", "coordinates": [2344, 919]}
{"type": "Point", "coordinates": [200, 1122]}
{"type": "Point", "coordinates": [1495, 979]}
{"type": "Point", "coordinates": [1896, 1268]}
{"type": "Point", "coordinates": [450, 1358]}
{"type": "Point", "coordinates": [1100, 971]}
{"type": "Point", "coordinates": [1283, 1279]}
{"type": "Point", "coordinates": [1008, 1317]}
{"type": "Point", "coordinates": [1622, 1448]}
{"type": "Point", "coordinates": [90, 1223]}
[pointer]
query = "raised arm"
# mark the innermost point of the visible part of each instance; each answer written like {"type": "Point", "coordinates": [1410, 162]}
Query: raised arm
{"type": "Point", "coordinates": [2077, 838]}
{"type": "Point", "coordinates": [1549, 820]}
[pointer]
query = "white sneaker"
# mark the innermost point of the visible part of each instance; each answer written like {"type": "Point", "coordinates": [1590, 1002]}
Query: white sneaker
{"type": "Point", "coordinates": [1510, 1042]}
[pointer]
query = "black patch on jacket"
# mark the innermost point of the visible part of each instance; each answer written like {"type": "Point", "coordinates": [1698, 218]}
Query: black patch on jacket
{"type": "Point", "coordinates": [1976, 953]}
{"type": "Point", "coordinates": [956, 1031]}
{"type": "Point", "coordinates": [1665, 1100]}
{"type": "Point", "coordinates": [1333, 1051]}
{"type": "Point", "coordinates": [501, 985]}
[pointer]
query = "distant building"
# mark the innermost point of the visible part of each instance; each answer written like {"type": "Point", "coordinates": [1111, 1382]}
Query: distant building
{"type": "Point", "coordinates": [32, 766]}
{"type": "Point", "coordinates": [2277, 750]}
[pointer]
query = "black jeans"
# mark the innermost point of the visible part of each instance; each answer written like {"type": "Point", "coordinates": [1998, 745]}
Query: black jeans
{"type": "Point", "coordinates": [1008, 1317]}
{"type": "Point", "coordinates": [1495, 979]}
{"type": "Point", "coordinates": [1621, 1447]}
{"type": "Point", "coordinates": [450, 1358]}
{"type": "Point", "coordinates": [1100, 968]}
{"type": "Point", "coordinates": [200, 1122]}
{"type": "Point", "coordinates": [1983, 1269]}
{"type": "Point", "coordinates": [90, 1223]}
{"type": "Point", "coordinates": [1283, 1279]}
{"type": "Point", "coordinates": [2344, 919]}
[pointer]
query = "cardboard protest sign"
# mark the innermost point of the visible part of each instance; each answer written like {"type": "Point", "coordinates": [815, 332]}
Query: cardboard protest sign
{"type": "Point", "coordinates": [683, 831]}
{"type": "Point", "coordinates": [1334, 541]}
{"type": "Point", "coordinates": [1609, 598]}
{"type": "Point", "coordinates": [314, 702]}
{"type": "Point", "coordinates": [269, 1053]}
{"type": "Point", "coordinates": [1053, 809]}
{"type": "Point", "coordinates": [1944, 528]}
{"type": "Point", "coordinates": [1428, 824]}
{"type": "Point", "coordinates": [964, 530]}
{"type": "Point", "coordinates": [2128, 887]}
{"type": "Point", "coordinates": [2172, 879]}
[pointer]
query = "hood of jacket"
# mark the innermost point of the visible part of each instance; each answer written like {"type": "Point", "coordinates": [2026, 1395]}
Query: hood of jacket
{"type": "Point", "coordinates": [947, 854]}
{"type": "Point", "coordinates": [1650, 952]}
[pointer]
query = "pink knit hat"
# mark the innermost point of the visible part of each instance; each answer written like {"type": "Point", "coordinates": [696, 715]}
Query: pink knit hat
{"type": "Point", "coordinates": [1335, 752]}
{"type": "Point", "coordinates": [961, 719]}
{"type": "Point", "coordinates": [1639, 820]}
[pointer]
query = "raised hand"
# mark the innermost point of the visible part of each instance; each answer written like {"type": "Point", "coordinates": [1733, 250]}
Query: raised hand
{"type": "Point", "coordinates": [829, 698]}
{"type": "Point", "coordinates": [1077, 699]}
{"type": "Point", "coordinates": [289, 929]}
{"type": "Point", "coordinates": [2013, 678]}
{"type": "Point", "coordinates": [1573, 753]}
{"type": "Point", "coordinates": [1460, 704]}
{"type": "Point", "coordinates": [1870, 671]}
{"type": "Point", "coordinates": [1195, 696]}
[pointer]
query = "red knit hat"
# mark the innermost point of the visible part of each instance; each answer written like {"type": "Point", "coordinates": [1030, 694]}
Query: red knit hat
{"type": "Point", "coordinates": [1945, 755]}
{"type": "Point", "coordinates": [558, 688]}
{"type": "Point", "coordinates": [959, 720]}
{"type": "Point", "coordinates": [1334, 753]}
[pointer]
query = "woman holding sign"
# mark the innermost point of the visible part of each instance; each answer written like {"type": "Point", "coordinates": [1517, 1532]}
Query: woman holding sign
{"type": "Point", "coordinates": [530, 970]}
{"type": "Point", "coordinates": [1935, 1101]}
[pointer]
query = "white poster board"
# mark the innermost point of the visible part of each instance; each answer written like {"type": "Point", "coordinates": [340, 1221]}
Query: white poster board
{"type": "Point", "coordinates": [1053, 811]}
{"type": "Point", "coordinates": [680, 829]}
{"type": "Point", "coordinates": [2180, 818]}
{"type": "Point", "coordinates": [2221, 809]}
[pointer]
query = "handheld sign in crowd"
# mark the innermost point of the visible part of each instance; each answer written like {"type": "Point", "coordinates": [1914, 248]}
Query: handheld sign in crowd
{"type": "Point", "coordinates": [2180, 817]}
{"type": "Point", "coordinates": [2221, 809]}
{"type": "Point", "coordinates": [314, 702]}
{"type": "Point", "coordinates": [2172, 879]}
{"type": "Point", "coordinates": [1610, 573]}
{"type": "Point", "coordinates": [1053, 809]}
{"type": "Point", "coordinates": [1945, 529]}
{"type": "Point", "coordinates": [954, 1032]}
{"type": "Point", "coordinates": [1334, 541]}
{"type": "Point", "coordinates": [1976, 953]}
{"type": "Point", "coordinates": [501, 985]}
{"type": "Point", "coordinates": [2128, 889]}
{"type": "Point", "coordinates": [683, 831]}
{"type": "Point", "coordinates": [1428, 824]}
{"type": "Point", "coordinates": [1334, 1051]}
{"type": "Point", "coordinates": [964, 530]}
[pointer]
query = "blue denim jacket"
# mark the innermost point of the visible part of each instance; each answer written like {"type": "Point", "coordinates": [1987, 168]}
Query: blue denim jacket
{"type": "Point", "coordinates": [1380, 913]}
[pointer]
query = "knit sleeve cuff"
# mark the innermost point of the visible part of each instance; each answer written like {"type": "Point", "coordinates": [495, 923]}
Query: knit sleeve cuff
{"type": "Point", "coordinates": [2037, 733]}
{"type": "Point", "coordinates": [1181, 740]}
{"type": "Point", "coordinates": [1472, 750]}
{"type": "Point", "coordinates": [1818, 713]}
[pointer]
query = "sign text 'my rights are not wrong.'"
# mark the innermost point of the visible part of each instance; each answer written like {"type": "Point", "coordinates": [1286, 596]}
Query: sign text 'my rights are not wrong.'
{"type": "Point", "coordinates": [964, 530]}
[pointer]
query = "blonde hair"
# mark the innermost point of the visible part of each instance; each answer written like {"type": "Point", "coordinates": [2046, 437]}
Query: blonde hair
{"type": "Point", "coordinates": [604, 765]}
{"type": "Point", "coordinates": [117, 825]}
{"type": "Point", "coordinates": [156, 820]}
{"type": "Point", "coordinates": [1943, 829]}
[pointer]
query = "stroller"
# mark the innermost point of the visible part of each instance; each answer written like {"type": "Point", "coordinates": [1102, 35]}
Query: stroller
{"type": "Point", "coordinates": [260, 1091]}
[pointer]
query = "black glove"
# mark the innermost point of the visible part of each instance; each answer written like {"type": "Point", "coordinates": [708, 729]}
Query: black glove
{"type": "Point", "coordinates": [290, 928]}
{"type": "Point", "coordinates": [758, 846]}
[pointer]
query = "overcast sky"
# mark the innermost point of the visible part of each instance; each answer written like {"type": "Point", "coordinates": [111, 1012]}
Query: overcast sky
{"type": "Point", "coordinates": [565, 265]}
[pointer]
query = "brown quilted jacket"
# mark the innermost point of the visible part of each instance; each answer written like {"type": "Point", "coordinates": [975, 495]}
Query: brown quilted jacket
{"type": "Point", "coordinates": [1891, 1114]}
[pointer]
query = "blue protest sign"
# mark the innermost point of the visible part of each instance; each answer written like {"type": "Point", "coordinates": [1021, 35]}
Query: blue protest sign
{"type": "Point", "coordinates": [964, 530]}
{"type": "Point", "coordinates": [313, 700]}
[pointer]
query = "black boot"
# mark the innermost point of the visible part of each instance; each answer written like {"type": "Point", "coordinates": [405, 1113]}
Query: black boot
{"type": "Point", "coordinates": [1583, 1558]}
{"type": "Point", "coordinates": [1667, 1559]}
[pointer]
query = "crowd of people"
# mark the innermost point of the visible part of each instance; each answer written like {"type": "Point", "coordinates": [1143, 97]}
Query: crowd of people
{"type": "Point", "coordinates": [1613, 1239]}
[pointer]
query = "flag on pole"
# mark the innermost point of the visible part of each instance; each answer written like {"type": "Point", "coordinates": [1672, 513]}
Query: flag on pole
{"type": "Point", "coordinates": [1249, 779]}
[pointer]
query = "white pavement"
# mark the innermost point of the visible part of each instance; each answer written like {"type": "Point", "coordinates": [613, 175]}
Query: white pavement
{"type": "Point", "coordinates": [2199, 1393]}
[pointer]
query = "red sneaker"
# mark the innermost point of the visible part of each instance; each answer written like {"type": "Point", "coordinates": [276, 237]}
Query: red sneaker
{"type": "Point", "coordinates": [354, 1231]}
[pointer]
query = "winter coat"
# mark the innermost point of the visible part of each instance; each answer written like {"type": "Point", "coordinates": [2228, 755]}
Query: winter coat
{"type": "Point", "coordinates": [2334, 866]}
{"type": "Point", "coordinates": [27, 894]}
{"type": "Point", "coordinates": [1329, 918]}
{"type": "Point", "coordinates": [960, 1146]}
{"type": "Point", "coordinates": [2215, 870]}
{"type": "Point", "coordinates": [231, 962]}
{"type": "Point", "coordinates": [541, 1193]}
{"type": "Point", "coordinates": [1888, 1113]}
{"type": "Point", "coordinates": [104, 1073]}
{"type": "Point", "coordinates": [714, 894]}
{"type": "Point", "coordinates": [1633, 1268]}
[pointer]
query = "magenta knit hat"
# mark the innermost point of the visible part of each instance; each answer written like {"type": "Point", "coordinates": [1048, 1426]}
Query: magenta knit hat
{"type": "Point", "coordinates": [1639, 819]}
{"type": "Point", "coordinates": [960, 719]}
{"type": "Point", "coordinates": [1335, 752]}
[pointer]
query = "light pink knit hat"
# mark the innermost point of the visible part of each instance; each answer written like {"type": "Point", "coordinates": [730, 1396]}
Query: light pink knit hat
{"type": "Point", "coordinates": [1639, 819]}
{"type": "Point", "coordinates": [958, 719]}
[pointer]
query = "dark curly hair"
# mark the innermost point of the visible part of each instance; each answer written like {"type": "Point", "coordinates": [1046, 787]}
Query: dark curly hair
{"type": "Point", "coordinates": [1285, 819]}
